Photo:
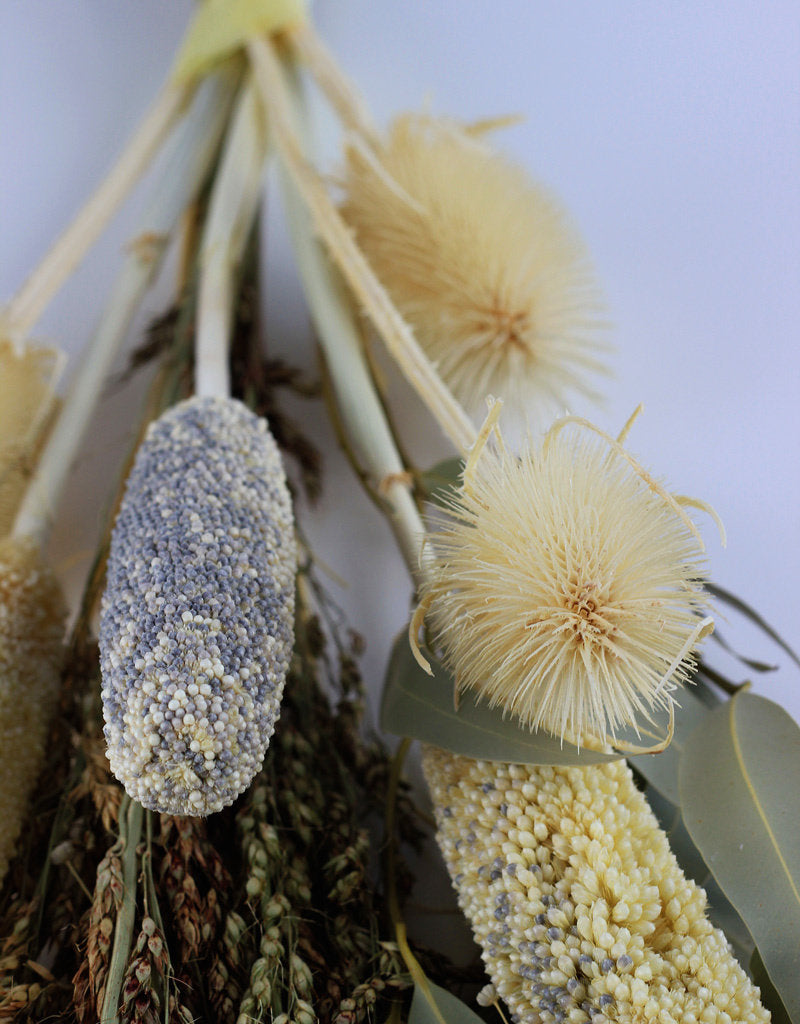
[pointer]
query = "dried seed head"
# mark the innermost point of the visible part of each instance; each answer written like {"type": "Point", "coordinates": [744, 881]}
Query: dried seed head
{"type": "Point", "coordinates": [481, 262]}
{"type": "Point", "coordinates": [197, 621]}
{"type": "Point", "coordinates": [27, 399]}
{"type": "Point", "coordinates": [32, 616]}
{"type": "Point", "coordinates": [579, 906]}
{"type": "Point", "coordinates": [567, 586]}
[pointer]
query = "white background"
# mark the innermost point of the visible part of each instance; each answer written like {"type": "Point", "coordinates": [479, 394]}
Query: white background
{"type": "Point", "coordinates": [670, 131]}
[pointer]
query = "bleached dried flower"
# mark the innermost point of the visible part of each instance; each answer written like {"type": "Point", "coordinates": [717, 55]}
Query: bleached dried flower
{"type": "Point", "coordinates": [566, 585]}
{"type": "Point", "coordinates": [27, 399]}
{"type": "Point", "coordinates": [579, 906]}
{"type": "Point", "coordinates": [480, 261]}
{"type": "Point", "coordinates": [196, 628]}
{"type": "Point", "coordinates": [32, 614]}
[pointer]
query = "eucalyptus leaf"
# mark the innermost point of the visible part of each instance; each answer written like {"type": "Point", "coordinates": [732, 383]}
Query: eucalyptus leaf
{"type": "Point", "coordinates": [703, 688]}
{"type": "Point", "coordinates": [681, 844]}
{"type": "Point", "coordinates": [440, 479]}
{"type": "Point", "coordinates": [741, 805]}
{"type": "Point", "coordinates": [756, 666]}
{"type": "Point", "coordinates": [769, 994]}
{"type": "Point", "coordinates": [723, 915]}
{"type": "Point", "coordinates": [450, 1009]}
{"type": "Point", "coordinates": [421, 706]}
{"type": "Point", "coordinates": [661, 770]}
{"type": "Point", "coordinates": [721, 912]}
{"type": "Point", "coordinates": [743, 608]}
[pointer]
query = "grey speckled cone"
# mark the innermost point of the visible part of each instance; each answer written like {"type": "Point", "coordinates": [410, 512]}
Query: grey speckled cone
{"type": "Point", "coordinates": [196, 628]}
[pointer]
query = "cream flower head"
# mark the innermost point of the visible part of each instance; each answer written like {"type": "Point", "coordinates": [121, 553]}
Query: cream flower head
{"type": "Point", "coordinates": [567, 584]}
{"type": "Point", "coordinates": [480, 261]}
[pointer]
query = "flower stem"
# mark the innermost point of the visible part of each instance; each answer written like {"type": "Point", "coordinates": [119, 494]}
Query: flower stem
{"type": "Point", "coordinates": [339, 335]}
{"type": "Point", "coordinates": [130, 829]}
{"type": "Point", "coordinates": [29, 303]}
{"type": "Point", "coordinates": [192, 149]}
{"type": "Point", "coordinates": [337, 88]}
{"type": "Point", "coordinates": [234, 202]}
{"type": "Point", "coordinates": [368, 290]}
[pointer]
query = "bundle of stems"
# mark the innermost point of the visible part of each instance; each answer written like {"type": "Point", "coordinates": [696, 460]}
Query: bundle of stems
{"type": "Point", "coordinates": [273, 909]}
{"type": "Point", "coordinates": [286, 905]}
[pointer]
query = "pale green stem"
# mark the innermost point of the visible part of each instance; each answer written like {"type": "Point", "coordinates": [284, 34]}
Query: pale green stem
{"type": "Point", "coordinates": [234, 202]}
{"type": "Point", "coordinates": [130, 830]}
{"type": "Point", "coordinates": [338, 330]}
{"type": "Point", "coordinates": [24, 310]}
{"type": "Point", "coordinates": [328, 223]}
{"type": "Point", "coordinates": [192, 149]}
{"type": "Point", "coordinates": [338, 89]}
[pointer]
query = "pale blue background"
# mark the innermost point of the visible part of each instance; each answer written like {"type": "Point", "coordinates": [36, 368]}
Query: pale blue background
{"type": "Point", "coordinates": [669, 130]}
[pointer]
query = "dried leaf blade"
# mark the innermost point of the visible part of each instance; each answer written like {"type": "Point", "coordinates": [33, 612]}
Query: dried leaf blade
{"type": "Point", "coordinates": [442, 479]}
{"type": "Point", "coordinates": [438, 1005]}
{"type": "Point", "coordinates": [661, 770]}
{"type": "Point", "coordinates": [750, 613]}
{"type": "Point", "coordinates": [769, 995]}
{"type": "Point", "coordinates": [421, 706]}
{"type": "Point", "coordinates": [743, 817]}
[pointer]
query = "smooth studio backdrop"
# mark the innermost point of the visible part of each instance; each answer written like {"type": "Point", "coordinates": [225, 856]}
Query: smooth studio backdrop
{"type": "Point", "coordinates": [670, 132]}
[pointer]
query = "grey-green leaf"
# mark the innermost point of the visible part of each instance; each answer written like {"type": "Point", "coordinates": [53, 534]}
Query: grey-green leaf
{"type": "Point", "coordinates": [440, 479]}
{"type": "Point", "coordinates": [723, 915]}
{"type": "Point", "coordinates": [756, 666]}
{"type": "Point", "coordinates": [681, 844]}
{"type": "Point", "coordinates": [661, 770]}
{"type": "Point", "coordinates": [421, 706]}
{"type": "Point", "coordinates": [741, 803]}
{"type": "Point", "coordinates": [721, 912]}
{"type": "Point", "coordinates": [702, 686]}
{"type": "Point", "coordinates": [769, 995]}
{"type": "Point", "coordinates": [451, 1009]}
{"type": "Point", "coordinates": [741, 606]}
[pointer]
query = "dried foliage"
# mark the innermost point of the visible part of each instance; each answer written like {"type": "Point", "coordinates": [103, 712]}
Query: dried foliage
{"type": "Point", "coordinates": [270, 909]}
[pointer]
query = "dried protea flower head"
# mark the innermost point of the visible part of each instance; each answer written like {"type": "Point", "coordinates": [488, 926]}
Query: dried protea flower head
{"type": "Point", "coordinates": [197, 621]}
{"type": "Point", "coordinates": [481, 262]}
{"type": "Point", "coordinates": [567, 583]}
{"type": "Point", "coordinates": [32, 616]}
{"type": "Point", "coordinates": [580, 908]}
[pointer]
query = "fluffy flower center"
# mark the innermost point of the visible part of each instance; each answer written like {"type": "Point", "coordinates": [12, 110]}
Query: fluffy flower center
{"type": "Point", "coordinates": [568, 587]}
{"type": "Point", "coordinates": [505, 329]}
{"type": "Point", "coordinates": [586, 605]}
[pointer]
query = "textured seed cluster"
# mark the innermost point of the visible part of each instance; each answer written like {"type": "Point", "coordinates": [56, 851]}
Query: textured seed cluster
{"type": "Point", "coordinates": [196, 628]}
{"type": "Point", "coordinates": [27, 380]}
{"type": "Point", "coordinates": [579, 906]}
{"type": "Point", "coordinates": [32, 614]}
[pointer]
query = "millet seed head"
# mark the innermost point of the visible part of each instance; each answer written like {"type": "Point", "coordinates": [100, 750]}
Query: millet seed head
{"type": "Point", "coordinates": [196, 628]}
{"type": "Point", "coordinates": [32, 617]}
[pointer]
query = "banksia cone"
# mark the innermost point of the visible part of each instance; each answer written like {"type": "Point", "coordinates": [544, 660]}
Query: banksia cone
{"type": "Point", "coordinates": [26, 401]}
{"type": "Point", "coordinates": [32, 616]}
{"type": "Point", "coordinates": [197, 619]}
{"type": "Point", "coordinates": [580, 909]}
{"type": "Point", "coordinates": [481, 262]}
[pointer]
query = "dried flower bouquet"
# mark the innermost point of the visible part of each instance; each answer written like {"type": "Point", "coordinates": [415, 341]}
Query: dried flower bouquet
{"type": "Point", "coordinates": [222, 838]}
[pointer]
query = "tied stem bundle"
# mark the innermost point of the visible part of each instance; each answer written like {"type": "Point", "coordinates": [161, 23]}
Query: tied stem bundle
{"type": "Point", "coordinates": [29, 588]}
{"type": "Point", "coordinates": [196, 630]}
{"type": "Point", "coordinates": [586, 660]}
{"type": "Point", "coordinates": [563, 584]}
